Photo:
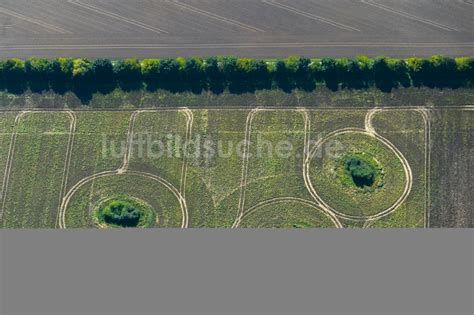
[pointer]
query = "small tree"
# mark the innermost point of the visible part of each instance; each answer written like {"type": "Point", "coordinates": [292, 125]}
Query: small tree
{"type": "Point", "coordinates": [418, 69]}
{"type": "Point", "coordinates": [104, 71]}
{"type": "Point", "coordinates": [465, 69]}
{"type": "Point", "coordinates": [442, 71]}
{"type": "Point", "coordinates": [169, 70]}
{"type": "Point", "coordinates": [361, 172]}
{"type": "Point", "coordinates": [122, 214]}
{"type": "Point", "coordinates": [228, 67]}
{"type": "Point", "coordinates": [193, 70]}
{"type": "Point", "coordinates": [14, 70]}
{"type": "Point", "coordinates": [330, 72]}
{"type": "Point", "coordinates": [211, 69]}
{"type": "Point", "coordinates": [83, 70]}
{"type": "Point", "coordinates": [128, 70]}
{"type": "Point", "coordinates": [38, 69]}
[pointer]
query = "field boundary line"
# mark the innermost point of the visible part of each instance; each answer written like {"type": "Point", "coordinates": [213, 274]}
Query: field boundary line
{"type": "Point", "coordinates": [67, 162]}
{"type": "Point", "coordinates": [116, 16]}
{"type": "Point", "coordinates": [9, 163]}
{"type": "Point", "coordinates": [248, 108]}
{"type": "Point", "coordinates": [189, 129]}
{"type": "Point", "coordinates": [128, 147]}
{"type": "Point", "coordinates": [427, 121]}
{"type": "Point", "coordinates": [310, 16]}
{"type": "Point", "coordinates": [34, 21]}
{"type": "Point", "coordinates": [211, 15]}
{"type": "Point", "coordinates": [43, 47]}
{"type": "Point", "coordinates": [409, 15]}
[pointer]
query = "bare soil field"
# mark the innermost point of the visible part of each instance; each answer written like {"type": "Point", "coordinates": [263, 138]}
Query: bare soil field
{"type": "Point", "coordinates": [254, 28]}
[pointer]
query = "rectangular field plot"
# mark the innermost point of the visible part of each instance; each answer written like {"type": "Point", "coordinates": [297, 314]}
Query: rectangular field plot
{"type": "Point", "coordinates": [408, 131]}
{"type": "Point", "coordinates": [99, 143]}
{"type": "Point", "coordinates": [214, 177]}
{"type": "Point", "coordinates": [35, 175]}
{"type": "Point", "coordinates": [289, 167]}
{"type": "Point", "coordinates": [7, 120]}
{"type": "Point", "coordinates": [275, 156]}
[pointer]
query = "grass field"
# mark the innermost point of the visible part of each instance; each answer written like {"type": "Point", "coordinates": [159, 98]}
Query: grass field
{"type": "Point", "coordinates": [243, 168]}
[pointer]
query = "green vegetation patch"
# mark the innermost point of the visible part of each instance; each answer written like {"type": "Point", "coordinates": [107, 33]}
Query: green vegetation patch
{"type": "Point", "coordinates": [361, 171]}
{"type": "Point", "coordinates": [98, 143]}
{"type": "Point", "coordinates": [276, 155]}
{"type": "Point", "coordinates": [406, 130]}
{"type": "Point", "coordinates": [362, 177]}
{"type": "Point", "coordinates": [125, 212]}
{"type": "Point", "coordinates": [36, 174]}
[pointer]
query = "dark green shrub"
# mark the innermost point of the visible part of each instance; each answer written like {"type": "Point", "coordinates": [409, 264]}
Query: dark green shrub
{"type": "Point", "coordinates": [418, 69]}
{"type": "Point", "coordinates": [465, 69]}
{"type": "Point", "coordinates": [38, 69]}
{"type": "Point", "coordinates": [193, 70]}
{"type": "Point", "coordinates": [228, 66]}
{"type": "Point", "coordinates": [211, 69]}
{"type": "Point", "coordinates": [14, 70]}
{"type": "Point", "coordinates": [150, 69]}
{"type": "Point", "coordinates": [442, 71]}
{"type": "Point", "coordinates": [104, 71]}
{"type": "Point", "coordinates": [361, 172]}
{"type": "Point", "coordinates": [121, 213]}
{"type": "Point", "coordinates": [83, 70]}
{"type": "Point", "coordinates": [169, 70]}
{"type": "Point", "coordinates": [128, 70]}
{"type": "Point", "coordinates": [330, 71]}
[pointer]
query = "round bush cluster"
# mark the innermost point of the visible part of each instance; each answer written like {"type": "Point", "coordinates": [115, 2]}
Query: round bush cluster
{"type": "Point", "coordinates": [361, 172]}
{"type": "Point", "coordinates": [121, 213]}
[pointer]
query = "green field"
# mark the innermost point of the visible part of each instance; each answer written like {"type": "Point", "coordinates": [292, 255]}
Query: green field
{"type": "Point", "coordinates": [247, 168]}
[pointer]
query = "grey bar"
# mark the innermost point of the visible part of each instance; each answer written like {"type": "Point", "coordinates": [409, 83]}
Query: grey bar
{"type": "Point", "coordinates": [236, 272]}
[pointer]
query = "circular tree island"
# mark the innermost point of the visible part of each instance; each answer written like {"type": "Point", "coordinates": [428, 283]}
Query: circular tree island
{"type": "Point", "coordinates": [362, 178]}
{"type": "Point", "coordinates": [124, 212]}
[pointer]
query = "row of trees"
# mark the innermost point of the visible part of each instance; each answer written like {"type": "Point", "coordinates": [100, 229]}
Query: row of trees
{"type": "Point", "coordinates": [218, 73]}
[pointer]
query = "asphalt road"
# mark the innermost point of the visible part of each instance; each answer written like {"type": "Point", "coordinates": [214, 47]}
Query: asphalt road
{"type": "Point", "coordinates": [254, 28]}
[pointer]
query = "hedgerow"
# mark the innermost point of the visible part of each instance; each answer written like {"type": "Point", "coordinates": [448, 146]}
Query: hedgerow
{"type": "Point", "coordinates": [242, 74]}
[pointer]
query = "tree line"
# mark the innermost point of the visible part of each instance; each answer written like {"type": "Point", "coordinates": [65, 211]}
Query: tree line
{"type": "Point", "coordinates": [235, 74]}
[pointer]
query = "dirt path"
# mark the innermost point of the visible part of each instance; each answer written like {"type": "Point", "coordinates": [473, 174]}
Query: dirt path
{"type": "Point", "coordinates": [67, 163]}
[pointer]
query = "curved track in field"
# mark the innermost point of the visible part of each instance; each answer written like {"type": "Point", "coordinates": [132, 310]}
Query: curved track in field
{"type": "Point", "coordinates": [370, 131]}
{"type": "Point", "coordinates": [124, 170]}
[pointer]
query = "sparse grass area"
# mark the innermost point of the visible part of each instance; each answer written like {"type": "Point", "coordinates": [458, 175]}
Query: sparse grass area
{"type": "Point", "coordinates": [275, 167]}
{"type": "Point", "coordinates": [163, 135]}
{"type": "Point", "coordinates": [213, 183]}
{"type": "Point", "coordinates": [287, 215]}
{"type": "Point", "coordinates": [320, 97]}
{"type": "Point", "coordinates": [452, 160]}
{"type": "Point", "coordinates": [212, 189]}
{"type": "Point", "coordinates": [406, 130]}
{"type": "Point", "coordinates": [36, 175]}
{"type": "Point", "coordinates": [90, 155]}
{"type": "Point", "coordinates": [7, 120]}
